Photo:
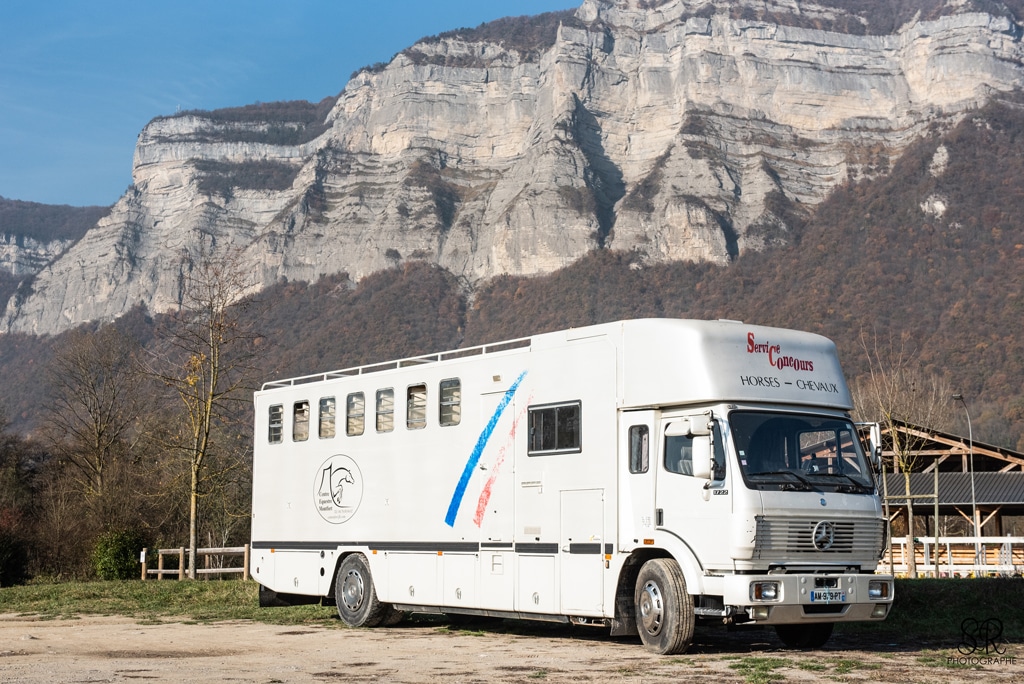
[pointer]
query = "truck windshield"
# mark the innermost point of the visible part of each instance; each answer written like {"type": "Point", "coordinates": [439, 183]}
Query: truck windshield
{"type": "Point", "coordinates": [798, 451]}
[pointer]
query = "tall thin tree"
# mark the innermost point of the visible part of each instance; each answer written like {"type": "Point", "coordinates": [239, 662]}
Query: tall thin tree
{"type": "Point", "coordinates": [206, 359]}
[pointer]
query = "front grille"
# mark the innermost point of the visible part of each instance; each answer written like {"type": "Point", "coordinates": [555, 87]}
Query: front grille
{"type": "Point", "coordinates": [793, 539]}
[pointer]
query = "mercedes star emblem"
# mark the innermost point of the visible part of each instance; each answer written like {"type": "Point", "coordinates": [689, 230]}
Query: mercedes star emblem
{"type": "Point", "coordinates": [824, 535]}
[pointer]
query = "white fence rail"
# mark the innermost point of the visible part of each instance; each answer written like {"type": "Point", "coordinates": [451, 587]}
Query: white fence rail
{"type": "Point", "coordinates": [958, 556]}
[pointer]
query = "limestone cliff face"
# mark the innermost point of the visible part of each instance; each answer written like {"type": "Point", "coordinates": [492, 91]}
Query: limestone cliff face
{"type": "Point", "coordinates": [678, 129]}
{"type": "Point", "coordinates": [21, 256]}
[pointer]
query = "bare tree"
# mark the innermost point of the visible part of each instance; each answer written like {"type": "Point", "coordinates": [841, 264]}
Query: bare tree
{"type": "Point", "coordinates": [93, 420]}
{"type": "Point", "coordinates": [207, 355]}
{"type": "Point", "coordinates": [899, 390]}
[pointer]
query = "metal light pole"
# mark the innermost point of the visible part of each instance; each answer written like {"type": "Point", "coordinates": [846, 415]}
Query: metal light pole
{"type": "Point", "coordinates": [970, 452]}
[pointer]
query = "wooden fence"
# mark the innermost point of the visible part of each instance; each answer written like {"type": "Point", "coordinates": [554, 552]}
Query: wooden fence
{"type": "Point", "coordinates": [958, 556]}
{"type": "Point", "coordinates": [215, 562]}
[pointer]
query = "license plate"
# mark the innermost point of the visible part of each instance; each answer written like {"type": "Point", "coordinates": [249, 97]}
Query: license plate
{"type": "Point", "coordinates": [828, 596]}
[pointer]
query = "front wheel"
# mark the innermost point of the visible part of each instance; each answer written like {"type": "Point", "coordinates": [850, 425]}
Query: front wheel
{"type": "Point", "coordinates": [804, 637]}
{"type": "Point", "coordinates": [355, 596]}
{"type": "Point", "coordinates": [664, 609]}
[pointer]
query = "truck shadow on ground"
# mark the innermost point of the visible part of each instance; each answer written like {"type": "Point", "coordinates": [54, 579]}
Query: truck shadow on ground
{"type": "Point", "coordinates": [709, 640]}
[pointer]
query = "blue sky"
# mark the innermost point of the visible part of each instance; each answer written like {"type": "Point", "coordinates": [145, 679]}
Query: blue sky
{"type": "Point", "coordinates": [80, 79]}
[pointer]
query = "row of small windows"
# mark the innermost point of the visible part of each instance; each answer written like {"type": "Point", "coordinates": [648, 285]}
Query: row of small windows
{"type": "Point", "coordinates": [449, 412]}
{"type": "Point", "coordinates": [553, 428]}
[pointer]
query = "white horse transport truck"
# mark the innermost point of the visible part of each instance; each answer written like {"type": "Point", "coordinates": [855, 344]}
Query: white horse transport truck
{"type": "Point", "coordinates": [645, 475]}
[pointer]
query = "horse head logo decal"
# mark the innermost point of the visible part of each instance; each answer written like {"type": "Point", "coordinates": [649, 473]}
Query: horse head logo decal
{"type": "Point", "coordinates": [338, 489]}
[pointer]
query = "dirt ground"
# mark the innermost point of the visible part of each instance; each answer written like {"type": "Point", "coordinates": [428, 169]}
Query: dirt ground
{"type": "Point", "coordinates": [113, 649]}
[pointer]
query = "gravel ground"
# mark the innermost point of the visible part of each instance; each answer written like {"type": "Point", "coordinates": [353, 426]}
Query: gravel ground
{"type": "Point", "coordinates": [114, 649]}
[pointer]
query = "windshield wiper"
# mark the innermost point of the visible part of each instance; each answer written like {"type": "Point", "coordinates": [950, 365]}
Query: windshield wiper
{"type": "Point", "coordinates": [803, 480]}
{"type": "Point", "coordinates": [858, 485]}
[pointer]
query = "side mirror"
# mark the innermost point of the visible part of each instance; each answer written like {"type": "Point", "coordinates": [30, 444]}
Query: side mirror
{"type": "Point", "coordinates": [689, 427]}
{"type": "Point", "coordinates": [702, 457]}
{"type": "Point", "coordinates": [875, 442]}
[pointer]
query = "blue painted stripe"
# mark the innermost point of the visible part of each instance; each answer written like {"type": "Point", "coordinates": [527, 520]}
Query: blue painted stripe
{"type": "Point", "coordinates": [478, 450]}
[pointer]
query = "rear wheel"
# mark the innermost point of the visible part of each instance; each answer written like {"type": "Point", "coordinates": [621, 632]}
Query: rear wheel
{"type": "Point", "coordinates": [354, 593]}
{"type": "Point", "coordinates": [664, 609]}
{"type": "Point", "coordinates": [804, 637]}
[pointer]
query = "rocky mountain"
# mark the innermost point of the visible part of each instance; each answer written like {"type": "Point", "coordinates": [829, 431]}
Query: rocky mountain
{"type": "Point", "coordinates": [673, 129]}
{"type": "Point", "coordinates": [33, 235]}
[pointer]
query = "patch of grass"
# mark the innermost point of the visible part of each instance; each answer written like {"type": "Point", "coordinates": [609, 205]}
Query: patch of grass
{"type": "Point", "coordinates": [933, 609]}
{"type": "Point", "coordinates": [157, 601]}
{"type": "Point", "coordinates": [471, 632]}
{"type": "Point", "coordinates": [631, 671]}
{"type": "Point", "coordinates": [760, 670]}
{"type": "Point", "coordinates": [941, 659]}
{"type": "Point", "coordinates": [844, 667]}
{"type": "Point", "coordinates": [680, 661]}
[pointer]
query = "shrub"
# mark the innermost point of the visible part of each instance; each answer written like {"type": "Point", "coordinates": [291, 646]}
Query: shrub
{"type": "Point", "coordinates": [116, 556]}
{"type": "Point", "coordinates": [13, 559]}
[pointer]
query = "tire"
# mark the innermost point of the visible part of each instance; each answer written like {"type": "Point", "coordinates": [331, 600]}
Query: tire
{"type": "Point", "coordinates": [804, 637]}
{"type": "Point", "coordinates": [664, 609]}
{"type": "Point", "coordinates": [355, 595]}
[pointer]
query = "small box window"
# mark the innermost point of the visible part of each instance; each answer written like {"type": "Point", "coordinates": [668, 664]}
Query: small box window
{"type": "Point", "coordinates": [416, 407]}
{"type": "Point", "coordinates": [300, 421]}
{"type": "Point", "coordinates": [276, 430]}
{"type": "Point", "coordinates": [355, 408]}
{"type": "Point", "coordinates": [385, 410]}
{"type": "Point", "coordinates": [328, 414]}
{"type": "Point", "coordinates": [450, 408]}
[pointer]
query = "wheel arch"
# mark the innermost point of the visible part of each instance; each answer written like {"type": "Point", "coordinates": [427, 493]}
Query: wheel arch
{"type": "Point", "coordinates": [623, 623]}
{"type": "Point", "coordinates": [340, 557]}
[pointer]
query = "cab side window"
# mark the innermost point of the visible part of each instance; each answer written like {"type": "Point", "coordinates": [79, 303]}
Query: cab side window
{"type": "Point", "coordinates": [679, 455]}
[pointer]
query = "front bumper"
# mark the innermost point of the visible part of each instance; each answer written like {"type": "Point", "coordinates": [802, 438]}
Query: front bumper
{"type": "Point", "coordinates": [778, 599]}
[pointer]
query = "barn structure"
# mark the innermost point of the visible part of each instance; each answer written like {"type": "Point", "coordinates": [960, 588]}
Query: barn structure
{"type": "Point", "coordinates": [967, 494]}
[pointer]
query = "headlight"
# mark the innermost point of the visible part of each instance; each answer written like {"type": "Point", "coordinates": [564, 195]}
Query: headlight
{"type": "Point", "coordinates": [764, 591]}
{"type": "Point", "coordinates": [878, 590]}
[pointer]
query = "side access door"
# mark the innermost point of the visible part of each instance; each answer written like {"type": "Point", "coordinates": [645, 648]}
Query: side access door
{"type": "Point", "coordinates": [581, 546]}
